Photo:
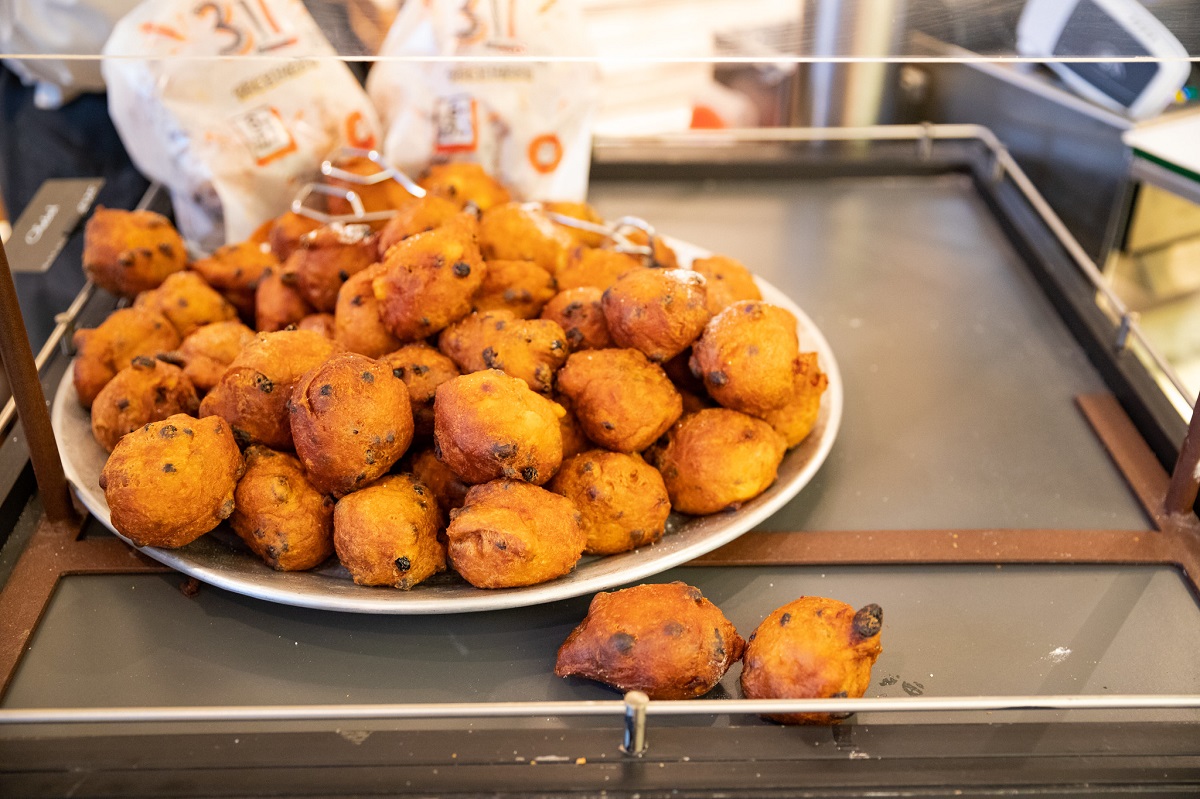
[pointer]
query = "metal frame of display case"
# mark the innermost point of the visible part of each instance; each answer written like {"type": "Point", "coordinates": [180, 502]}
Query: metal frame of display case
{"type": "Point", "coordinates": [1139, 428]}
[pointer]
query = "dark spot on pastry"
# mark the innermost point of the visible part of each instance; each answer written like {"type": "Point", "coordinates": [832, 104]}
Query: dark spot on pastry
{"type": "Point", "coordinates": [486, 388]}
{"type": "Point", "coordinates": [144, 252]}
{"type": "Point", "coordinates": [752, 349]}
{"type": "Point", "coordinates": [166, 249]}
{"type": "Point", "coordinates": [403, 564]}
{"type": "Point", "coordinates": [367, 377]}
{"type": "Point", "coordinates": [168, 467]}
{"type": "Point", "coordinates": [227, 508]}
{"type": "Point", "coordinates": [418, 489]}
{"type": "Point", "coordinates": [173, 358]}
{"type": "Point", "coordinates": [607, 425]}
{"type": "Point", "coordinates": [720, 642]}
{"type": "Point", "coordinates": [673, 629]}
{"type": "Point", "coordinates": [587, 466]}
{"type": "Point", "coordinates": [122, 404]}
{"type": "Point", "coordinates": [501, 545]}
{"type": "Point", "coordinates": [489, 358]}
{"type": "Point", "coordinates": [168, 431]}
{"type": "Point", "coordinates": [695, 595]}
{"type": "Point", "coordinates": [182, 302]}
{"type": "Point", "coordinates": [718, 378]}
{"type": "Point", "coordinates": [353, 431]}
{"type": "Point", "coordinates": [529, 473]}
{"type": "Point", "coordinates": [556, 345]}
{"type": "Point", "coordinates": [574, 337]}
{"type": "Point", "coordinates": [343, 275]}
{"type": "Point", "coordinates": [593, 493]}
{"type": "Point", "coordinates": [356, 300]}
{"type": "Point", "coordinates": [784, 619]}
{"type": "Point", "coordinates": [753, 635]}
{"type": "Point", "coordinates": [160, 394]}
{"type": "Point", "coordinates": [125, 259]}
{"type": "Point", "coordinates": [358, 478]}
{"type": "Point", "coordinates": [425, 321]}
{"type": "Point", "coordinates": [390, 437]}
{"type": "Point", "coordinates": [501, 324]}
{"type": "Point", "coordinates": [142, 362]}
{"type": "Point", "coordinates": [291, 328]}
{"type": "Point", "coordinates": [419, 370]}
{"type": "Point", "coordinates": [240, 435]}
{"type": "Point", "coordinates": [263, 383]}
{"type": "Point", "coordinates": [398, 372]}
{"type": "Point", "coordinates": [622, 642]}
{"type": "Point", "coordinates": [572, 308]}
{"type": "Point", "coordinates": [820, 612]}
{"type": "Point", "coordinates": [370, 457]}
{"type": "Point", "coordinates": [868, 621]}
{"type": "Point", "coordinates": [462, 269]}
{"type": "Point", "coordinates": [504, 451]}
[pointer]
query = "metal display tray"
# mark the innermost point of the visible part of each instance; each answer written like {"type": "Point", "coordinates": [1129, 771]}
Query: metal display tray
{"type": "Point", "coordinates": [1035, 624]}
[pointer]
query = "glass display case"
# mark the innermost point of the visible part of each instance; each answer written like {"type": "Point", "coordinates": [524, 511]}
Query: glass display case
{"type": "Point", "coordinates": [979, 213]}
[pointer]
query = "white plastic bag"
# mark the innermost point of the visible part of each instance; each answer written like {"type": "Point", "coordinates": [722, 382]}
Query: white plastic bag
{"type": "Point", "coordinates": [232, 138]}
{"type": "Point", "coordinates": [528, 122]}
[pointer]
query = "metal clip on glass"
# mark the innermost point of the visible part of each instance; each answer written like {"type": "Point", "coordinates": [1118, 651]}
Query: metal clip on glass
{"type": "Point", "coordinates": [612, 231]}
{"type": "Point", "coordinates": [358, 213]}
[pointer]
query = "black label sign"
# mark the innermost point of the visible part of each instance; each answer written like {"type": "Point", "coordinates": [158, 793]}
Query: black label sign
{"type": "Point", "coordinates": [48, 221]}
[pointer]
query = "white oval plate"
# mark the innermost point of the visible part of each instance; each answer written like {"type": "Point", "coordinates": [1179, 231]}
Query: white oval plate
{"type": "Point", "coordinates": [220, 558]}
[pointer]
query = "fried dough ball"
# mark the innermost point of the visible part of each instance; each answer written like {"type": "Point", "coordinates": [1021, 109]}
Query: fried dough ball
{"type": "Point", "coordinates": [622, 400]}
{"type": "Point", "coordinates": [622, 499]}
{"type": "Point", "coordinates": [513, 232]}
{"type": "Point", "coordinates": [147, 390]}
{"type": "Point", "coordinates": [509, 533]}
{"type": "Point", "coordinates": [356, 322]}
{"type": "Point", "coordinates": [234, 270]}
{"type": "Point", "coordinates": [170, 482]}
{"type": "Point", "coordinates": [529, 349]}
{"type": "Point", "coordinates": [583, 212]}
{"type": "Point", "coordinates": [579, 313]}
{"type": "Point", "coordinates": [287, 231]}
{"type": "Point", "coordinates": [280, 514]}
{"type": "Point", "coordinates": [423, 369]}
{"type": "Point", "coordinates": [795, 420]}
{"type": "Point", "coordinates": [596, 268]}
{"type": "Point", "coordinates": [446, 486]}
{"type": "Point", "coordinates": [488, 425]}
{"type": "Point", "coordinates": [322, 323]}
{"type": "Point", "coordinates": [521, 287]}
{"type": "Point", "coordinates": [253, 393]}
{"type": "Point", "coordinates": [716, 459]}
{"type": "Point", "coordinates": [351, 420]}
{"type": "Point", "coordinates": [658, 311]}
{"type": "Point", "coordinates": [278, 303]}
{"type": "Point", "coordinates": [188, 302]}
{"type": "Point", "coordinates": [326, 258]}
{"type": "Point", "coordinates": [386, 534]}
{"type": "Point", "coordinates": [416, 216]}
{"type": "Point", "coordinates": [747, 357]}
{"type": "Point", "coordinates": [381, 196]}
{"type": "Point", "coordinates": [727, 282]}
{"type": "Point", "coordinates": [464, 183]}
{"type": "Point", "coordinates": [812, 648]}
{"type": "Point", "coordinates": [208, 351]}
{"type": "Point", "coordinates": [128, 252]}
{"type": "Point", "coordinates": [104, 350]}
{"type": "Point", "coordinates": [429, 280]}
{"type": "Point", "coordinates": [665, 640]}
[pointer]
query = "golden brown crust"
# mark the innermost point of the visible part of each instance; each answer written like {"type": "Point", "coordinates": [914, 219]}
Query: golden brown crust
{"type": "Point", "coordinates": [622, 500]}
{"type": "Point", "coordinates": [429, 280]}
{"type": "Point", "coordinates": [812, 648]}
{"type": "Point", "coordinates": [665, 640]}
{"type": "Point", "coordinates": [170, 482]}
{"type": "Point", "coordinates": [449, 490]}
{"type": "Point", "coordinates": [510, 533]}
{"type": "Point", "coordinates": [357, 325]}
{"type": "Point", "coordinates": [727, 282]}
{"type": "Point", "coordinates": [351, 420]}
{"type": "Point", "coordinates": [529, 349]}
{"type": "Point", "coordinates": [574, 439]}
{"type": "Point", "coordinates": [104, 350]}
{"type": "Point", "coordinates": [234, 270]}
{"type": "Point", "coordinates": [209, 350]}
{"type": "Point", "coordinates": [147, 390]}
{"type": "Point", "coordinates": [598, 269]}
{"type": "Point", "coordinates": [716, 459]}
{"type": "Point", "coordinates": [580, 314]}
{"type": "Point", "coordinates": [521, 287]}
{"type": "Point", "coordinates": [287, 231]}
{"type": "Point", "coordinates": [747, 357]}
{"type": "Point", "coordinates": [326, 258]}
{"type": "Point", "coordinates": [188, 302]}
{"type": "Point", "coordinates": [416, 216]}
{"type": "Point", "coordinates": [464, 183]}
{"type": "Point", "coordinates": [795, 420]}
{"type": "Point", "coordinates": [423, 369]}
{"type": "Point", "coordinates": [278, 303]}
{"type": "Point", "coordinates": [253, 393]}
{"type": "Point", "coordinates": [386, 534]}
{"type": "Point", "coordinates": [658, 311]}
{"type": "Point", "coordinates": [512, 232]}
{"type": "Point", "coordinates": [280, 515]}
{"type": "Point", "coordinates": [128, 252]}
{"type": "Point", "coordinates": [622, 400]}
{"type": "Point", "coordinates": [487, 425]}
{"type": "Point", "coordinates": [322, 323]}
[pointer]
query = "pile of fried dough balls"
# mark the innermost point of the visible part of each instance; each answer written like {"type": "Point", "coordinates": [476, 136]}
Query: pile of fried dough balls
{"type": "Point", "coordinates": [670, 642]}
{"type": "Point", "coordinates": [468, 385]}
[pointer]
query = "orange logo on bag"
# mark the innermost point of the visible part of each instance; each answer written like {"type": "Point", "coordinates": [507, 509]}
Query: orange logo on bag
{"type": "Point", "coordinates": [265, 134]}
{"type": "Point", "coordinates": [545, 153]}
{"type": "Point", "coordinates": [358, 132]}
